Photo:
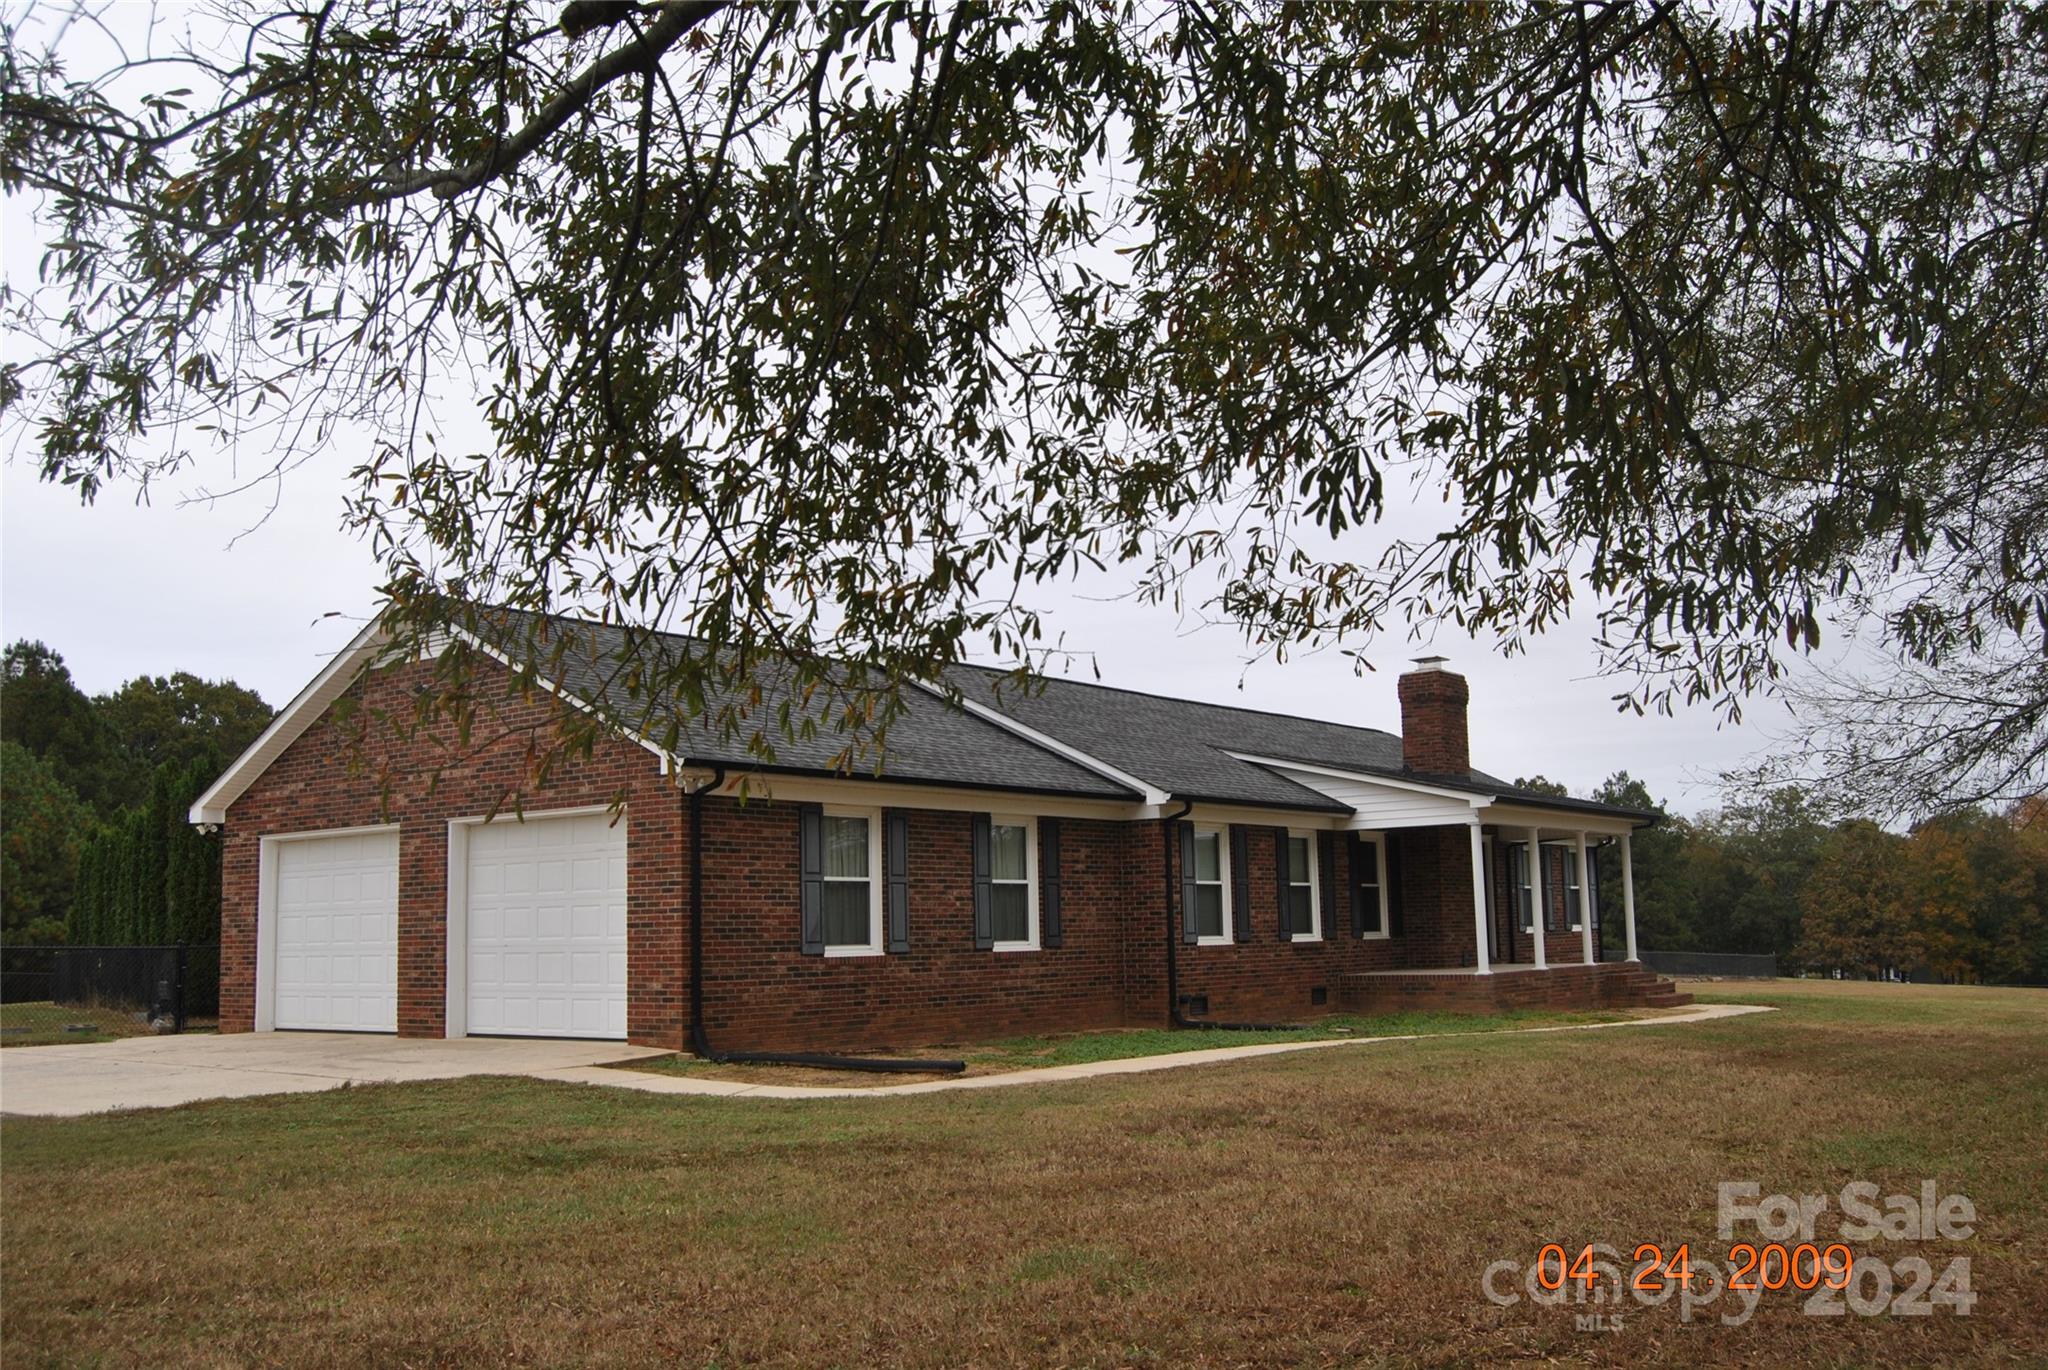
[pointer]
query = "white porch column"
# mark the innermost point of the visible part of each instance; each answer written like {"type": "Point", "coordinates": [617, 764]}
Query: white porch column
{"type": "Point", "coordinates": [1628, 897]}
{"type": "Point", "coordinates": [1585, 901]}
{"type": "Point", "coordinates": [1479, 899]}
{"type": "Point", "coordinates": [1533, 868]}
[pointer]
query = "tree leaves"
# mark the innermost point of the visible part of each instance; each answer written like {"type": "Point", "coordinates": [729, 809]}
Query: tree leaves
{"type": "Point", "coordinates": [832, 332]}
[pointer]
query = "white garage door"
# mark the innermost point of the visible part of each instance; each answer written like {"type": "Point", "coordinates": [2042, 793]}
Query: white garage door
{"type": "Point", "coordinates": [547, 927]}
{"type": "Point", "coordinates": [337, 933]}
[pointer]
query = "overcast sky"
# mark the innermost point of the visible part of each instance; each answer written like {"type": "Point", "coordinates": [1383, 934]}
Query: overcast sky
{"type": "Point", "coordinates": [123, 590]}
{"type": "Point", "coordinates": [238, 589]}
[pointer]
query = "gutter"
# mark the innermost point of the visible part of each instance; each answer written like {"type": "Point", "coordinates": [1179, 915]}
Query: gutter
{"type": "Point", "coordinates": [700, 1041]}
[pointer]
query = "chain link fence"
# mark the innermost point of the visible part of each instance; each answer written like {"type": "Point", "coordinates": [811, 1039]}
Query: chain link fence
{"type": "Point", "coordinates": [1712, 964]}
{"type": "Point", "coordinates": [87, 994]}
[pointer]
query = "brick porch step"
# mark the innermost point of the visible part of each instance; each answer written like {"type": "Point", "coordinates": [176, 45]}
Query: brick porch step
{"type": "Point", "coordinates": [1609, 984]}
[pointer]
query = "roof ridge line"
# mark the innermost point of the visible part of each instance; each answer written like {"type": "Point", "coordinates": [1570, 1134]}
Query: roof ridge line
{"type": "Point", "coordinates": [997, 670]}
{"type": "Point", "coordinates": [1178, 699]}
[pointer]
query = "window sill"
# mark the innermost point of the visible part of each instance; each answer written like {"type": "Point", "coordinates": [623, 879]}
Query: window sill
{"type": "Point", "coordinates": [1374, 936]}
{"type": "Point", "coordinates": [1225, 940]}
{"type": "Point", "coordinates": [1305, 937]}
{"type": "Point", "coordinates": [849, 953]}
{"type": "Point", "coordinates": [1014, 946]}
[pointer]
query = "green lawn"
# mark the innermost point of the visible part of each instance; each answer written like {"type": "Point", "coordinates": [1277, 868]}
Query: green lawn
{"type": "Point", "coordinates": [1318, 1207]}
{"type": "Point", "coordinates": [1080, 1048]}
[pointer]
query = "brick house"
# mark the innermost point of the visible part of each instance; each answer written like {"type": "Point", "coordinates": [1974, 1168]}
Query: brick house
{"type": "Point", "coordinates": [1068, 857]}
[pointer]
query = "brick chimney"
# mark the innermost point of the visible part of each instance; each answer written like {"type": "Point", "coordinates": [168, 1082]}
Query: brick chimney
{"type": "Point", "coordinates": [1433, 703]}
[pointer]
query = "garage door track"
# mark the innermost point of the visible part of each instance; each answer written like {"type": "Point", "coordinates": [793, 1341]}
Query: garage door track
{"type": "Point", "coordinates": [159, 1072]}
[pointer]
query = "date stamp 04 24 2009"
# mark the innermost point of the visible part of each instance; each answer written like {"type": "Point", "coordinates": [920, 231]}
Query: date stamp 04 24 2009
{"type": "Point", "coordinates": [1773, 1250]}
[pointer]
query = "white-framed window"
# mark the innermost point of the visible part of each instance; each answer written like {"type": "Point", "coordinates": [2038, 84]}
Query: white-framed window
{"type": "Point", "coordinates": [1304, 887]}
{"type": "Point", "coordinates": [852, 896]}
{"type": "Point", "coordinates": [1572, 899]}
{"type": "Point", "coordinates": [1369, 883]}
{"type": "Point", "coordinates": [1211, 889]}
{"type": "Point", "coordinates": [1013, 882]}
{"type": "Point", "coordinates": [1520, 871]}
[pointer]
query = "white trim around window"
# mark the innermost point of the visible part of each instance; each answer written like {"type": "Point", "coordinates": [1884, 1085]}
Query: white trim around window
{"type": "Point", "coordinates": [873, 946]}
{"type": "Point", "coordinates": [996, 822]}
{"type": "Point", "coordinates": [1222, 881]}
{"type": "Point", "coordinates": [1378, 842]}
{"type": "Point", "coordinates": [1315, 882]}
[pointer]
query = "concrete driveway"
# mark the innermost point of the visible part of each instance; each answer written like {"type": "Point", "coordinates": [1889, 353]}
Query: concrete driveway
{"type": "Point", "coordinates": [159, 1072]}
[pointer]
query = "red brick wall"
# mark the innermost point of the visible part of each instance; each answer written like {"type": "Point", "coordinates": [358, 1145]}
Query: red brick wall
{"type": "Point", "coordinates": [761, 991]}
{"type": "Point", "coordinates": [321, 782]}
{"type": "Point", "coordinates": [1436, 882]}
{"type": "Point", "coordinates": [1270, 980]}
{"type": "Point", "coordinates": [1433, 728]}
{"type": "Point", "coordinates": [1561, 945]}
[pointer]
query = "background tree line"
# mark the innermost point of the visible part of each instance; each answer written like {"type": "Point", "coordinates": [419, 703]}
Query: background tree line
{"type": "Point", "coordinates": [94, 846]}
{"type": "Point", "coordinates": [1962, 897]}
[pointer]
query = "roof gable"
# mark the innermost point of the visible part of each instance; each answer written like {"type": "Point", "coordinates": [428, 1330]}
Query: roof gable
{"type": "Point", "coordinates": [1048, 736]}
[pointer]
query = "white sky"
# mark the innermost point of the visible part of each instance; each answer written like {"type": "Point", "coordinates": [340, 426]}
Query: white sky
{"type": "Point", "coordinates": [235, 589]}
{"type": "Point", "coordinates": [124, 590]}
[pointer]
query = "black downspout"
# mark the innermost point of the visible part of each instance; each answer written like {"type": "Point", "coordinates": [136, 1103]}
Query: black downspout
{"type": "Point", "coordinates": [700, 1042]}
{"type": "Point", "coordinates": [1174, 1015]}
{"type": "Point", "coordinates": [1166, 822]}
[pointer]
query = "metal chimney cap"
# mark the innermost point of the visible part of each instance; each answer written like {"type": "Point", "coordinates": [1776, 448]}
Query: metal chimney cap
{"type": "Point", "coordinates": [1429, 663]}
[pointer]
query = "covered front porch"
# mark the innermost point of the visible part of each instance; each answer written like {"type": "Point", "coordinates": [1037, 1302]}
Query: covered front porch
{"type": "Point", "coordinates": [1516, 921]}
{"type": "Point", "coordinates": [1501, 904]}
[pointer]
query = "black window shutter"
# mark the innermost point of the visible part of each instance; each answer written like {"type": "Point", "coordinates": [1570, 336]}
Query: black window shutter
{"type": "Point", "coordinates": [896, 864]}
{"type": "Point", "coordinates": [1326, 871]}
{"type": "Point", "coordinates": [1241, 882]}
{"type": "Point", "coordinates": [1395, 926]}
{"type": "Point", "coordinates": [810, 864]}
{"type": "Point", "coordinates": [1281, 883]}
{"type": "Point", "coordinates": [1560, 916]}
{"type": "Point", "coordinates": [1049, 934]}
{"type": "Point", "coordinates": [1188, 932]}
{"type": "Point", "coordinates": [1517, 866]}
{"type": "Point", "coordinates": [984, 901]}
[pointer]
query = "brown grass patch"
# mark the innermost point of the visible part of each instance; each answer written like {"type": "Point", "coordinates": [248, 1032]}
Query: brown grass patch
{"type": "Point", "coordinates": [1329, 1206]}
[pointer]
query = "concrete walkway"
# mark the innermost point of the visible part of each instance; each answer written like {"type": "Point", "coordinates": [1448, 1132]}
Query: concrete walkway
{"type": "Point", "coordinates": [161, 1072]}
{"type": "Point", "coordinates": [1133, 1065]}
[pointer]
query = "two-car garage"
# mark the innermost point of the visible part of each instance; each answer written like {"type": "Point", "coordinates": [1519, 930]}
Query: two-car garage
{"type": "Point", "coordinates": [536, 928]}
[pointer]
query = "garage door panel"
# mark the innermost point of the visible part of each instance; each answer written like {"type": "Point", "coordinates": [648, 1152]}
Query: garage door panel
{"type": "Point", "coordinates": [336, 934]}
{"type": "Point", "coordinates": [547, 927]}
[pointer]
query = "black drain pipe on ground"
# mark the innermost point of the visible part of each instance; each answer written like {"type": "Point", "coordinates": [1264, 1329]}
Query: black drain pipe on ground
{"type": "Point", "coordinates": [700, 1042]}
{"type": "Point", "coordinates": [1173, 935]}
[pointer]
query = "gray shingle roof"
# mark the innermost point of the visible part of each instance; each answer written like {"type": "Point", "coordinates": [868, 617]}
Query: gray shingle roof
{"type": "Point", "coordinates": [1181, 746]}
{"type": "Point", "coordinates": [933, 742]}
{"type": "Point", "coordinates": [1185, 746]}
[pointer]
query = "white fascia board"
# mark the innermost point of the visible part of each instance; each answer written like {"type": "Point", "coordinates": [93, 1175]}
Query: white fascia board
{"type": "Point", "coordinates": [1366, 778]}
{"type": "Point", "coordinates": [1149, 793]}
{"type": "Point", "coordinates": [1262, 816]}
{"type": "Point", "coordinates": [367, 648]}
{"type": "Point", "coordinates": [668, 763]}
{"type": "Point", "coordinates": [1563, 821]}
{"type": "Point", "coordinates": [291, 722]}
